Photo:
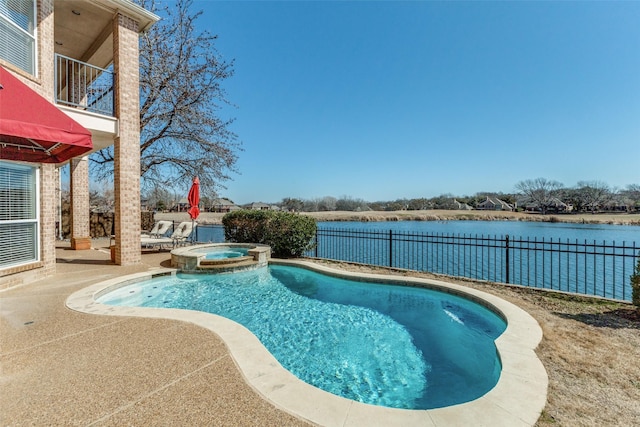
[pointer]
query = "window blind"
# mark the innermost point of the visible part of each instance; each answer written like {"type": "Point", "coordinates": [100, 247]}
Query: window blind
{"type": "Point", "coordinates": [17, 33]}
{"type": "Point", "coordinates": [18, 215]}
{"type": "Point", "coordinates": [17, 198]}
{"type": "Point", "coordinates": [17, 244]}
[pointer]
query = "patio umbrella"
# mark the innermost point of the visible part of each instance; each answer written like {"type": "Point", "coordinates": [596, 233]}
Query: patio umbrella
{"type": "Point", "coordinates": [194, 199]}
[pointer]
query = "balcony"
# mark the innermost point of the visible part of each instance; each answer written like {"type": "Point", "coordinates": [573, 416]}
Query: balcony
{"type": "Point", "coordinates": [84, 52]}
{"type": "Point", "coordinates": [83, 86]}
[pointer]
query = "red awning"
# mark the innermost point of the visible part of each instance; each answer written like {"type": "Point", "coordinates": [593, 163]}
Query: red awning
{"type": "Point", "coordinates": [34, 130]}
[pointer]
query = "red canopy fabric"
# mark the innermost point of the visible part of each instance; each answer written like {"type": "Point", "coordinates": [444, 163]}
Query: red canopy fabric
{"type": "Point", "coordinates": [34, 130]}
{"type": "Point", "coordinates": [194, 199]}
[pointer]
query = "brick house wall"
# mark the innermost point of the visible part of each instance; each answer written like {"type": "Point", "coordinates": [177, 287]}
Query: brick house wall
{"type": "Point", "coordinates": [43, 84]}
{"type": "Point", "coordinates": [127, 173]}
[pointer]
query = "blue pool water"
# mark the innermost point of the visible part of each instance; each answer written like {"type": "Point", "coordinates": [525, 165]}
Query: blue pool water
{"type": "Point", "coordinates": [222, 252]}
{"type": "Point", "coordinates": [387, 345]}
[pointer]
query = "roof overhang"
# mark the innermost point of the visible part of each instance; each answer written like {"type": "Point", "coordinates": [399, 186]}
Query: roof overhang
{"type": "Point", "coordinates": [145, 18]}
{"type": "Point", "coordinates": [83, 29]}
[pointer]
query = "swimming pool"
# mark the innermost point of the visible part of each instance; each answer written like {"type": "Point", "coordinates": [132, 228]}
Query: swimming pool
{"type": "Point", "coordinates": [517, 398]}
{"type": "Point", "coordinates": [380, 344]}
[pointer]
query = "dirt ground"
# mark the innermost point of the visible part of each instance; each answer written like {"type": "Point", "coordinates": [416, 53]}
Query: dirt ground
{"type": "Point", "coordinates": [444, 215]}
{"type": "Point", "coordinates": [590, 349]}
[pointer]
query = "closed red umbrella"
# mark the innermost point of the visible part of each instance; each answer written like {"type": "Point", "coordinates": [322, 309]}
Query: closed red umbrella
{"type": "Point", "coordinates": [194, 199]}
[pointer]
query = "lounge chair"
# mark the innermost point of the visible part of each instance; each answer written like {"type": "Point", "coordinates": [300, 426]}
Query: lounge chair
{"type": "Point", "coordinates": [183, 231]}
{"type": "Point", "coordinates": [159, 229]}
{"type": "Point", "coordinates": [179, 237]}
{"type": "Point", "coordinates": [153, 242]}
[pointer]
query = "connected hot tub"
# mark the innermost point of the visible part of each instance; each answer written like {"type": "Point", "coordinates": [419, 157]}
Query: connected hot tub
{"type": "Point", "coordinates": [220, 257]}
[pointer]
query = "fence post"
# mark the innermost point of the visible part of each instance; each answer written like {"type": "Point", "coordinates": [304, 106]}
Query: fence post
{"type": "Point", "coordinates": [506, 247]}
{"type": "Point", "coordinates": [316, 237]}
{"type": "Point", "coordinates": [390, 248]}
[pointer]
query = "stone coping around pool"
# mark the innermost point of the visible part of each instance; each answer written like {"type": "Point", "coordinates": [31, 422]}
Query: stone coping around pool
{"type": "Point", "coordinates": [517, 399]}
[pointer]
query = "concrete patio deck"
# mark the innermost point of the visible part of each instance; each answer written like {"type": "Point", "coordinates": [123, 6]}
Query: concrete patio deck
{"type": "Point", "coordinates": [62, 367]}
{"type": "Point", "coordinates": [76, 366]}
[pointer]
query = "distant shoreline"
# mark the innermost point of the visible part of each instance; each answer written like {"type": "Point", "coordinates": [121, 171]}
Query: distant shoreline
{"type": "Point", "coordinates": [433, 215]}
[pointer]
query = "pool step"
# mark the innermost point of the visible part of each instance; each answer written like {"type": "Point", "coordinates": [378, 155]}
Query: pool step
{"type": "Point", "coordinates": [228, 266]}
{"type": "Point", "coordinates": [224, 261]}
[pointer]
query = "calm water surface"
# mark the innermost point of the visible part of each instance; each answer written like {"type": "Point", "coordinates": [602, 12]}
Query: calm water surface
{"type": "Point", "coordinates": [565, 262]}
{"type": "Point", "coordinates": [547, 230]}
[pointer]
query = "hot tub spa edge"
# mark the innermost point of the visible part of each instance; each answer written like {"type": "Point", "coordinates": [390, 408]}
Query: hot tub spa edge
{"type": "Point", "coordinates": [189, 259]}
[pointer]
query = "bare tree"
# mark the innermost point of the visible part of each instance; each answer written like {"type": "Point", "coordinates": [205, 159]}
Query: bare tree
{"type": "Point", "coordinates": [181, 133]}
{"type": "Point", "coordinates": [327, 203]}
{"type": "Point", "coordinates": [158, 197]}
{"type": "Point", "coordinates": [310, 205]}
{"type": "Point", "coordinates": [593, 194]}
{"type": "Point", "coordinates": [539, 191]}
{"type": "Point", "coordinates": [347, 203]}
{"type": "Point", "coordinates": [292, 204]}
{"type": "Point", "coordinates": [443, 201]}
{"type": "Point", "coordinates": [632, 192]}
{"type": "Point", "coordinates": [418, 204]}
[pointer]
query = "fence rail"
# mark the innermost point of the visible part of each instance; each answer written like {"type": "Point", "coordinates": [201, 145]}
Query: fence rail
{"type": "Point", "coordinates": [600, 269]}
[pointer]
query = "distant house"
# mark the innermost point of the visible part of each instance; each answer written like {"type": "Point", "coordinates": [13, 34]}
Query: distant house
{"type": "Point", "coordinates": [223, 205]}
{"type": "Point", "coordinates": [494, 204]}
{"type": "Point", "coordinates": [181, 206]}
{"type": "Point", "coordinates": [617, 205]}
{"type": "Point", "coordinates": [461, 206]}
{"type": "Point", "coordinates": [554, 205]}
{"type": "Point", "coordinates": [259, 206]}
{"type": "Point", "coordinates": [558, 205]}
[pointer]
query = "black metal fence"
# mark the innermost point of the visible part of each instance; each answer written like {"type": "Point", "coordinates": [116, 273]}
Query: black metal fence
{"type": "Point", "coordinates": [593, 268]}
{"type": "Point", "coordinates": [590, 268]}
{"type": "Point", "coordinates": [208, 233]}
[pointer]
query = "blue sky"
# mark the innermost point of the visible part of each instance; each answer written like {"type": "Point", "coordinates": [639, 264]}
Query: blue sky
{"type": "Point", "coordinates": [387, 100]}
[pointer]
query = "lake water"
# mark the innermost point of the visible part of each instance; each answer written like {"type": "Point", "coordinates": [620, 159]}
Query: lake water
{"type": "Point", "coordinates": [547, 230]}
{"type": "Point", "coordinates": [590, 259]}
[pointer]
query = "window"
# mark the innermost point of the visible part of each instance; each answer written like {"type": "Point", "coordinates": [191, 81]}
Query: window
{"type": "Point", "coordinates": [18, 33]}
{"type": "Point", "coordinates": [19, 233]}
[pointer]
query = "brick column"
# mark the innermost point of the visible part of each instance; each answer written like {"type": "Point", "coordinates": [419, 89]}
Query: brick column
{"type": "Point", "coordinates": [80, 228]}
{"type": "Point", "coordinates": [48, 214]}
{"type": "Point", "coordinates": [48, 176]}
{"type": "Point", "coordinates": [127, 144]}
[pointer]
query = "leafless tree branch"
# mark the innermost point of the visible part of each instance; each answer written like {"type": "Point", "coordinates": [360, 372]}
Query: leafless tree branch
{"type": "Point", "coordinates": [181, 95]}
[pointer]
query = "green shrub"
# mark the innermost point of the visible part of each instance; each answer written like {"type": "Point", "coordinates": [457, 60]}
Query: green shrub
{"type": "Point", "coordinates": [635, 285]}
{"type": "Point", "coordinates": [245, 226]}
{"type": "Point", "coordinates": [288, 234]}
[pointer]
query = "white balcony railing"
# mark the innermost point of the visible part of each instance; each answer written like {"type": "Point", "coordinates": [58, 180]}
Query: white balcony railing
{"type": "Point", "coordinates": [84, 86]}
